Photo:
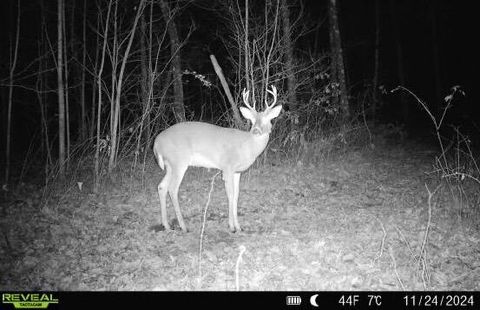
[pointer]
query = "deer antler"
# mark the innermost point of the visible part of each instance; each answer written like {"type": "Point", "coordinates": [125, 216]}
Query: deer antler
{"type": "Point", "coordinates": [245, 94]}
{"type": "Point", "coordinates": [273, 92]}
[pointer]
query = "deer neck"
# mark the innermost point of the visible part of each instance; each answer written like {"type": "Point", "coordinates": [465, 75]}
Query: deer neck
{"type": "Point", "coordinates": [258, 143]}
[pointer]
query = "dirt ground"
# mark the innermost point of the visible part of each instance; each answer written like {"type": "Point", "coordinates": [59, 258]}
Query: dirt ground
{"type": "Point", "coordinates": [360, 221]}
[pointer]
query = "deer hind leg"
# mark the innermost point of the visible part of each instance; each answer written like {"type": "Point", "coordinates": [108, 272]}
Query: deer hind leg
{"type": "Point", "coordinates": [162, 194]}
{"type": "Point", "coordinates": [178, 171]}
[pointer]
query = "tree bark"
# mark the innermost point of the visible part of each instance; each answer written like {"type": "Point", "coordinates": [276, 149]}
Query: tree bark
{"type": "Point", "coordinates": [95, 82]}
{"type": "Point", "coordinates": [219, 72]}
{"type": "Point", "coordinates": [83, 116]}
{"type": "Point", "coordinates": [178, 106]}
{"type": "Point", "coordinates": [145, 66]}
{"type": "Point", "coordinates": [99, 96]}
{"type": "Point", "coordinates": [115, 136]}
{"type": "Point", "coordinates": [338, 67]}
{"type": "Point", "coordinates": [436, 60]}
{"type": "Point", "coordinates": [376, 59]}
{"type": "Point", "coordinates": [400, 70]}
{"type": "Point", "coordinates": [13, 65]}
{"type": "Point", "coordinates": [289, 60]}
{"type": "Point", "coordinates": [248, 80]}
{"type": "Point", "coordinates": [66, 72]}
{"type": "Point", "coordinates": [40, 88]}
{"type": "Point", "coordinates": [61, 90]}
{"type": "Point", "coordinates": [145, 63]}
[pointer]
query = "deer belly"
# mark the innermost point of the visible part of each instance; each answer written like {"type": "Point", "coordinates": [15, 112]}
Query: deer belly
{"type": "Point", "coordinates": [200, 160]}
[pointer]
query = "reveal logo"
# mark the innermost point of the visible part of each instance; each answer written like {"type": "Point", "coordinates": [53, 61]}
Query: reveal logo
{"type": "Point", "coordinates": [29, 300]}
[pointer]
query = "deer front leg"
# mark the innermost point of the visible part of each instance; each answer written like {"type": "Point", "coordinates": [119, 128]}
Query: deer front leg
{"type": "Point", "coordinates": [236, 190]}
{"type": "Point", "coordinates": [229, 188]}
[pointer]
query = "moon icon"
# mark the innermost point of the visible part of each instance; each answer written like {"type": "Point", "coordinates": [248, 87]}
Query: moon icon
{"type": "Point", "coordinates": [313, 300]}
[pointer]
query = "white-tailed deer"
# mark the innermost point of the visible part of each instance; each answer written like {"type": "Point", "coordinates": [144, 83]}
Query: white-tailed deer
{"type": "Point", "coordinates": [204, 145]}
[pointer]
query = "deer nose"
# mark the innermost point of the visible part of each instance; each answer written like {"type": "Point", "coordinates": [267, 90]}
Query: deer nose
{"type": "Point", "coordinates": [256, 131]}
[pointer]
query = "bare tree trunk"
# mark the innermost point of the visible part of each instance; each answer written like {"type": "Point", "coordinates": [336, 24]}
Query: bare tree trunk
{"type": "Point", "coordinates": [61, 90]}
{"type": "Point", "coordinates": [145, 66]}
{"type": "Point", "coordinates": [400, 70]}
{"type": "Point", "coordinates": [66, 71]}
{"type": "Point", "coordinates": [376, 60]}
{"type": "Point", "coordinates": [219, 72]}
{"type": "Point", "coordinates": [40, 87]}
{"type": "Point", "coordinates": [289, 60]}
{"type": "Point", "coordinates": [13, 65]}
{"type": "Point", "coordinates": [247, 53]}
{"type": "Point", "coordinates": [436, 59]}
{"type": "Point", "coordinates": [178, 107]}
{"type": "Point", "coordinates": [151, 71]}
{"type": "Point", "coordinates": [114, 58]}
{"type": "Point", "coordinates": [99, 96]}
{"type": "Point", "coordinates": [338, 65]}
{"type": "Point", "coordinates": [145, 63]}
{"type": "Point", "coordinates": [118, 92]}
{"type": "Point", "coordinates": [83, 116]}
{"type": "Point", "coordinates": [95, 80]}
{"type": "Point", "coordinates": [272, 49]}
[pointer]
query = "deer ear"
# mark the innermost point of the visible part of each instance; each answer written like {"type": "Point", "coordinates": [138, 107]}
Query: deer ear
{"type": "Point", "coordinates": [274, 112]}
{"type": "Point", "coordinates": [248, 114]}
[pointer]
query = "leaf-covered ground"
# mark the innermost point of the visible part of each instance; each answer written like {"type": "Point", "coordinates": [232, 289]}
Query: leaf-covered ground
{"type": "Point", "coordinates": [359, 222]}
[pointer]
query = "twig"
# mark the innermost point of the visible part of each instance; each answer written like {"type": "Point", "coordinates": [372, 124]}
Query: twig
{"type": "Point", "coordinates": [237, 265]}
{"type": "Point", "coordinates": [200, 249]}
{"type": "Point", "coordinates": [462, 176]}
{"type": "Point", "coordinates": [463, 275]}
{"type": "Point", "coordinates": [425, 275]}
{"type": "Point", "coordinates": [406, 242]}
{"type": "Point", "coordinates": [395, 268]}
{"type": "Point", "coordinates": [383, 240]}
{"type": "Point", "coordinates": [430, 195]}
{"type": "Point", "coordinates": [423, 251]}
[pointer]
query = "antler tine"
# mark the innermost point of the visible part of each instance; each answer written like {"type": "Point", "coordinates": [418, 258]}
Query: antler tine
{"type": "Point", "coordinates": [273, 92]}
{"type": "Point", "coordinates": [245, 94]}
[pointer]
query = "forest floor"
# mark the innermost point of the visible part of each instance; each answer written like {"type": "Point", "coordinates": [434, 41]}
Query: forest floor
{"type": "Point", "coordinates": [359, 221]}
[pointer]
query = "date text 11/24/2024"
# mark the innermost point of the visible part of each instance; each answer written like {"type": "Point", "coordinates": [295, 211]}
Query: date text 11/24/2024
{"type": "Point", "coordinates": [413, 299]}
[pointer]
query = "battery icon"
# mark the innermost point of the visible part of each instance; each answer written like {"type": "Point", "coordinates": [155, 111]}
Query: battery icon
{"type": "Point", "coordinates": [294, 300]}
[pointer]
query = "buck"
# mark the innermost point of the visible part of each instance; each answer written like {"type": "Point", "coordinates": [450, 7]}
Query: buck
{"type": "Point", "coordinates": [204, 145]}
